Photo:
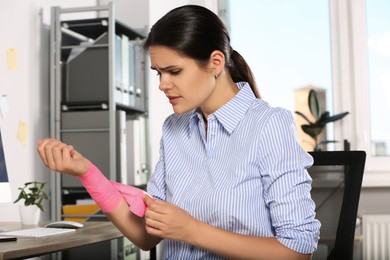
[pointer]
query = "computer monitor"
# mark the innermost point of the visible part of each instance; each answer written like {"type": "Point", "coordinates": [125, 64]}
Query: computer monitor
{"type": "Point", "coordinates": [5, 188]}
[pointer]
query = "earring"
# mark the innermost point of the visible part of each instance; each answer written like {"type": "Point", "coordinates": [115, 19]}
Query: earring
{"type": "Point", "coordinates": [216, 76]}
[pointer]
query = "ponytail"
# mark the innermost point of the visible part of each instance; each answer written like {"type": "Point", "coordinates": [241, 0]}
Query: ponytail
{"type": "Point", "coordinates": [239, 71]}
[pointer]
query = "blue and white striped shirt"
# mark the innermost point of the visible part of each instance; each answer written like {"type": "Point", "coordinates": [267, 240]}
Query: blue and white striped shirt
{"type": "Point", "coordinates": [248, 176]}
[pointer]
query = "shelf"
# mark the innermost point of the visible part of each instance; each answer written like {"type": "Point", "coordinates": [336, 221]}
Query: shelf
{"type": "Point", "coordinates": [93, 28]}
{"type": "Point", "coordinates": [97, 106]}
{"type": "Point", "coordinates": [91, 57]}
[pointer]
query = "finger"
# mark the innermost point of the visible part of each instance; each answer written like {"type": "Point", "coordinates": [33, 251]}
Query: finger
{"type": "Point", "coordinates": [41, 150]}
{"type": "Point", "coordinates": [72, 151]}
{"type": "Point", "coordinates": [154, 221]}
{"type": "Point", "coordinates": [58, 155]}
{"type": "Point", "coordinates": [154, 208]}
{"type": "Point", "coordinates": [53, 154]}
{"type": "Point", "coordinates": [47, 152]}
{"type": "Point", "coordinates": [66, 154]}
{"type": "Point", "coordinates": [153, 231]}
{"type": "Point", "coordinates": [42, 155]}
{"type": "Point", "coordinates": [148, 200]}
{"type": "Point", "coordinates": [157, 206]}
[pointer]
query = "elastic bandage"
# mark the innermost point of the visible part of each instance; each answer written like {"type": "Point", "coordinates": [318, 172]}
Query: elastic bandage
{"type": "Point", "coordinates": [108, 194]}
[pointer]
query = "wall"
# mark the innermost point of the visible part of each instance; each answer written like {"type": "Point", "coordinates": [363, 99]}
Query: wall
{"type": "Point", "coordinates": [374, 201]}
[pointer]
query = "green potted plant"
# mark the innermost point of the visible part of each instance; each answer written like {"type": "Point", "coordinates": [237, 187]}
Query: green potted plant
{"type": "Point", "coordinates": [314, 128]}
{"type": "Point", "coordinates": [33, 195]}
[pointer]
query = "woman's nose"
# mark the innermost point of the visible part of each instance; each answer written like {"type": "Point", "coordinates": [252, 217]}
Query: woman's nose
{"type": "Point", "coordinates": [164, 83]}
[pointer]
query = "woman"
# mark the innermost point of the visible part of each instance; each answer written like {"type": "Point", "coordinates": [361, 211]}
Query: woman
{"type": "Point", "coordinates": [231, 181]}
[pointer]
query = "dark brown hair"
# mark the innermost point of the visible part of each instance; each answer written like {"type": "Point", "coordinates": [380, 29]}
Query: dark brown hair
{"type": "Point", "coordinates": [196, 32]}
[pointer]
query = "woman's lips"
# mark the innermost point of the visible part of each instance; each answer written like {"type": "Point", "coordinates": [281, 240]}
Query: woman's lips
{"type": "Point", "coordinates": [173, 100]}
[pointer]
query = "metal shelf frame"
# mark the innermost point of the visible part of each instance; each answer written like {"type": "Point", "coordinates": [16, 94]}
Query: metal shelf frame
{"type": "Point", "coordinates": [56, 108]}
{"type": "Point", "coordinates": [55, 92]}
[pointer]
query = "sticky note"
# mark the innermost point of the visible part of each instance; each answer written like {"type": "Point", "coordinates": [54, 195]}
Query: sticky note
{"type": "Point", "coordinates": [22, 132]}
{"type": "Point", "coordinates": [11, 56]}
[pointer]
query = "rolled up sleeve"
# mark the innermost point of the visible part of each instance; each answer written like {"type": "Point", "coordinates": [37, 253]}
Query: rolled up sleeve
{"type": "Point", "coordinates": [287, 185]}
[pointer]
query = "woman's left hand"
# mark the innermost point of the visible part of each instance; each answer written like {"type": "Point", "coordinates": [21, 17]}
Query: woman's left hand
{"type": "Point", "coordinates": [166, 220]}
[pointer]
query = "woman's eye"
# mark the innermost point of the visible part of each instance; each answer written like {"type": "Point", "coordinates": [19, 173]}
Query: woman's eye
{"type": "Point", "coordinates": [175, 72]}
{"type": "Point", "coordinates": [171, 72]}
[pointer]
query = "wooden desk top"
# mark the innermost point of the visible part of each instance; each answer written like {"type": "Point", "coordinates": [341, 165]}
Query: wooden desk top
{"type": "Point", "coordinates": [92, 232]}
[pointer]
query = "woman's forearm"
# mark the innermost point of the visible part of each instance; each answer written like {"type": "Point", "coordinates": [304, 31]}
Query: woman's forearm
{"type": "Point", "coordinates": [132, 226]}
{"type": "Point", "coordinates": [236, 246]}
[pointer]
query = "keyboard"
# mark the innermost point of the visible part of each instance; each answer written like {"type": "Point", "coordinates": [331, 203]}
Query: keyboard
{"type": "Point", "coordinates": [37, 232]}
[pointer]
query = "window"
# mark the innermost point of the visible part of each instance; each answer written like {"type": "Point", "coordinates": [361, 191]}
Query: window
{"type": "Point", "coordinates": [378, 42]}
{"type": "Point", "coordinates": [370, 70]}
{"type": "Point", "coordinates": [287, 45]}
{"type": "Point", "coordinates": [340, 45]}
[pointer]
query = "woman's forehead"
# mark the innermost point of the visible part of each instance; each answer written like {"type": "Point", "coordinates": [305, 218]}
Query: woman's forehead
{"type": "Point", "coordinates": [162, 56]}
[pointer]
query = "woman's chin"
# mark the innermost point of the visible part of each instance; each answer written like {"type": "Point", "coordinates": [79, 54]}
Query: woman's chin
{"type": "Point", "coordinates": [179, 111]}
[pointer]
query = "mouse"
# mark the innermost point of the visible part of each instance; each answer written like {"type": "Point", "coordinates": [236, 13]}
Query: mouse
{"type": "Point", "coordinates": [65, 224]}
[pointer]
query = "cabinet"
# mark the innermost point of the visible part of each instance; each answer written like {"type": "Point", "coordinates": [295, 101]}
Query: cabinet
{"type": "Point", "coordinates": [98, 100]}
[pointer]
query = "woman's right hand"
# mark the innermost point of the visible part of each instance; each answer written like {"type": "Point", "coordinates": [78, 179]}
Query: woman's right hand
{"type": "Point", "coordinates": [61, 157]}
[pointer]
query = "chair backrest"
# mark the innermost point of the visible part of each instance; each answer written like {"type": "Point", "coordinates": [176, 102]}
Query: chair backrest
{"type": "Point", "coordinates": [337, 180]}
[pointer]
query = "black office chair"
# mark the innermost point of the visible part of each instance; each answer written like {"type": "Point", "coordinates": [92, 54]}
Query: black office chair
{"type": "Point", "coordinates": [337, 179]}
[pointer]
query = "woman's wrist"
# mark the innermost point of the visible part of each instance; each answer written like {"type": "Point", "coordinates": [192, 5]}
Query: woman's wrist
{"type": "Point", "coordinates": [100, 188]}
{"type": "Point", "coordinates": [84, 169]}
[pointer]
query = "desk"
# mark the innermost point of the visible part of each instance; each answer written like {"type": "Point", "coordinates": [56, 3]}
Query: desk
{"type": "Point", "coordinates": [92, 232]}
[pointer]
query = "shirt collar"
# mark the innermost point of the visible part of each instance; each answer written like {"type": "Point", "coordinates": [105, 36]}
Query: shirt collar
{"type": "Point", "coordinates": [230, 114]}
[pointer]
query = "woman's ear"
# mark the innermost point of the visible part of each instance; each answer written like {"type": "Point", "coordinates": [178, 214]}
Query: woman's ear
{"type": "Point", "coordinates": [217, 62]}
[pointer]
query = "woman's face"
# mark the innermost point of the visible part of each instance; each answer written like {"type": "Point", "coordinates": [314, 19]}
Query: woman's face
{"type": "Point", "coordinates": [186, 85]}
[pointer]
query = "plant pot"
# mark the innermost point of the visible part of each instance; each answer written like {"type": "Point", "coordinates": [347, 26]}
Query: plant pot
{"type": "Point", "coordinates": [29, 215]}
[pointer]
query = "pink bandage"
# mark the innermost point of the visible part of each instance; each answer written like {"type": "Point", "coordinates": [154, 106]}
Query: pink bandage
{"type": "Point", "coordinates": [108, 194]}
{"type": "Point", "coordinates": [134, 198]}
{"type": "Point", "coordinates": [100, 188]}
